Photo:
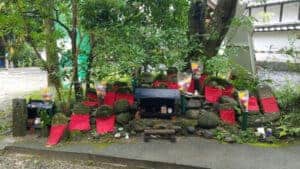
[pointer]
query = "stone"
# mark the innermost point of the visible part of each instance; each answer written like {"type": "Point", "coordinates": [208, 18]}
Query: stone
{"type": "Point", "coordinates": [191, 129]}
{"type": "Point", "coordinates": [227, 99]}
{"type": "Point", "coordinates": [229, 139]}
{"type": "Point", "coordinates": [177, 128]}
{"type": "Point", "coordinates": [208, 120]}
{"type": "Point", "coordinates": [192, 114]}
{"type": "Point", "coordinates": [264, 91]}
{"type": "Point", "coordinates": [207, 134]}
{"type": "Point", "coordinates": [117, 135]}
{"type": "Point", "coordinates": [123, 118]}
{"type": "Point", "coordinates": [193, 103]}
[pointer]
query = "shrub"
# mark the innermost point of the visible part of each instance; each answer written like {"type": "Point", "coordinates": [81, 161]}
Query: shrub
{"type": "Point", "coordinates": [288, 97]}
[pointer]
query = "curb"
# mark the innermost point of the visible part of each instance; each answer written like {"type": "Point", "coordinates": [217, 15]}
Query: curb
{"type": "Point", "coordinates": [129, 163]}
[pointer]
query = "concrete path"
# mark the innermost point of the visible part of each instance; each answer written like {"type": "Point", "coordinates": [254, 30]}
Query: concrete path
{"type": "Point", "coordinates": [191, 151]}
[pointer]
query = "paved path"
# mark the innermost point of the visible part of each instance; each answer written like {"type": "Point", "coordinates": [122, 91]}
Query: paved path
{"type": "Point", "coordinates": [192, 151]}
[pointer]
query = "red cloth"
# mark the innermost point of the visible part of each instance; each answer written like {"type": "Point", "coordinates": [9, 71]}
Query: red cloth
{"type": "Point", "coordinates": [91, 103]}
{"type": "Point", "coordinates": [92, 96]}
{"type": "Point", "coordinates": [80, 122]}
{"type": "Point", "coordinates": [228, 116]}
{"type": "Point", "coordinates": [128, 97]}
{"type": "Point", "coordinates": [172, 85]}
{"type": "Point", "coordinates": [56, 132]}
{"type": "Point", "coordinates": [105, 125]}
{"type": "Point", "coordinates": [202, 79]}
{"type": "Point", "coordinates": [191, 88]}
{"type": "Point", "coordinates": [228, 91]}
{"type": "Point", "coordinates": [212, 94]}
{"type": "Point", "coordinates": [109, 98]}
{"type": "Point", "coordinates": [269, 105]}
{"type": "Point", "coordinates": [157, 83]}
{"type": "Point", "coordinates": [252, 104]}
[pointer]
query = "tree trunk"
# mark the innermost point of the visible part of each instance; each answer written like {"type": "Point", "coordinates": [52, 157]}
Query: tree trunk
{"type": "Point", "coordinates": [221, 20]}
{"type": "Point", "coordinates": [75, 80]}
{"type": "Point", "coordinates": [90, 61]}
{"type": "Point", "coordinates": [209, 36]}
{"type": "Point", "coordinates": [52, 64]}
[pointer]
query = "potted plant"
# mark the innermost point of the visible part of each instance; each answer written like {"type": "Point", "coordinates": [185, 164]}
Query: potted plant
{"type": "Point", "coordinates": [105, 119]}
{"type": "Point", "coordinates": [80, 118]}
{"type": "Point", "coordinates": [58, 127]}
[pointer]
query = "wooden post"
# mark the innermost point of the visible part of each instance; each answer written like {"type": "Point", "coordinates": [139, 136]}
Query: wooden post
{"type": "Point", "coordinates": [19, 111]}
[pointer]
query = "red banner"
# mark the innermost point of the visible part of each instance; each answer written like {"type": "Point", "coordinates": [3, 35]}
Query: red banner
{"type": "Point", "coordinates": [80, 122]}
{"type": "Point", "coordinates": [228, 91]}
{"type": "Point", "coordinates": [269, 105]}
{"type": "Point", "coordinates": [228, 116]}
{"type": "Point", "coordinates": [92, 96]}
{"type": "Point", "coordinates": [212, 94]}
{"type": "Point", "coordinates": [109, 98]}
{"type": "Point", "coordinates": [128, 97]}
{"type": "Point", "coordinates": [252, 104]}
{"type": "Point", "coordinates": [56, 133]}
{"type": "Point", "coordinates": [172, 85]}
{"type": "Point", "coordinates": [105, 125]}
{"type": "Point", "coordinates": [91, 103]}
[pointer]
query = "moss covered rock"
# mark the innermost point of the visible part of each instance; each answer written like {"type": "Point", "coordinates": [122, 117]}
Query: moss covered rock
{"type": "Point", "coordinates": [192, 114]}
{"type": "Point", "coordinates": [121, 106]}
{"type": "Point", "coordinates": [124, 118]}
{"type": "Point", "coordinates": [208, 119]}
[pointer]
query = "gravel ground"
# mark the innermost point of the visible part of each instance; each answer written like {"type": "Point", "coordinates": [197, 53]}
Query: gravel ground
{"type": "Point", "coordinates": [279, 78]}
{"type": "Point", "coordinates": [25, 161]}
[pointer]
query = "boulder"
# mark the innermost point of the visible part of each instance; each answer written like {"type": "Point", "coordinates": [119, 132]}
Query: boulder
{"type": "Point", "coordinates": [207, 134]}
{"type": "Point", "coordinates": [191, 129]}
{"type": "Point", "coordinates": [208, 120]}
{"type": "Point", "coordinates": [192, 114]}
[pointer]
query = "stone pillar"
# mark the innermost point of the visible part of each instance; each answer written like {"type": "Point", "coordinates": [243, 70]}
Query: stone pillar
{"type": "Point", "coordinates": [19, 110]}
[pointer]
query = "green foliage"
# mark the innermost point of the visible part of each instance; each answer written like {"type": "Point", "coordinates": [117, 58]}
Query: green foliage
{"type": "Point", "coordinates": [217, 82]}
{"type": "Point", "coordinates": [79, 108]}
{"type": "Point", "coordinates": [243, 79]}
{"type": "Point", "coordinates": [59, 119]}
{"type": "Point", "coordinates": [247, 136]}
{"type": "Point", "coordinates": [24, 56]}
{"type": "Point", "coordinates": [45, 118]}
{"type": "Point", "coordinates": [288, 97]}
{"type": "Point", "coordinates": [136, 33]}
{"type": "Point", "coordinates": [218, 66]}
{"type": "Point", "coordinates": [104, 111]}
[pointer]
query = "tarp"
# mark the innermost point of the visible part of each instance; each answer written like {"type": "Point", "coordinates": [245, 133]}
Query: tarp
{"type": "Point", "coordinates": [143, 93]}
